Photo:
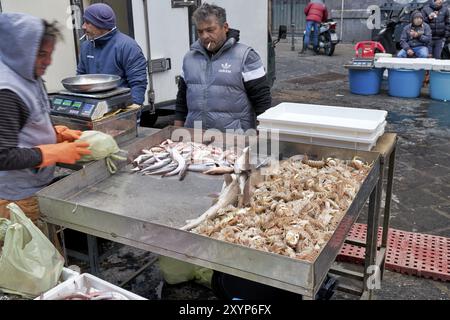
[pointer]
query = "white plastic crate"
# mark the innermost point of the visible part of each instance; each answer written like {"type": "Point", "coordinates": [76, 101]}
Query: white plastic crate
{"type": "Point", "coordinates": [405, 63]}
{"type": "Point", "coordinates": [68, 274]}
{"type": "Point", "coordinates": [83, 283]}
{"type": "Point", "coordinates": [330, 141]}
{"type": "Point", "coordinates": [325, 121]}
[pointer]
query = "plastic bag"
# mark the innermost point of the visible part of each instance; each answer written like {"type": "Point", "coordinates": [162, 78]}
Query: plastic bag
{"type": "Point", "coordinates": [4, 224]}
{"type": "Point", "coordinates": [102, 146]}
{"type": "Point", "coordinates": [175, 271]}
{"type": "Point", "coordinates": [29, 264]}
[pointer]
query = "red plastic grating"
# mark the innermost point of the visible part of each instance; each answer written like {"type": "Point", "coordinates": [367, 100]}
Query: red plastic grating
{"type": "Point", "coordinates": [409, 253]}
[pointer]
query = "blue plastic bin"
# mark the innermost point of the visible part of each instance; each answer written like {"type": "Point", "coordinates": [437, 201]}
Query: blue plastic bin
{"type": "Point", "coordinates": [365, 82]}
{"type": "Point", "coordinates": [440, 85]}
{"type": "Point", "coordinates": [405, 83]}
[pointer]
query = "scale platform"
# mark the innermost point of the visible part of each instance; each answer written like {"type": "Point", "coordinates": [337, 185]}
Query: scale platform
{"type": "Point", "coordinates": [89, 106]}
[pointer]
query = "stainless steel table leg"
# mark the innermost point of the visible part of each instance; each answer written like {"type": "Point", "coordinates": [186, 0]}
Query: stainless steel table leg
{"type": "Point", "coordinates": [93, 254]}
{"type": "Point", "coordinates": [371, 240]}
{"type": "Point", "coordinates": [387, 205]}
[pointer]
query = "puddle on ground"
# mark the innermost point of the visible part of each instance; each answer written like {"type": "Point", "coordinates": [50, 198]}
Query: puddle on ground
{"type": "Point", "coordinates": [434, 114]}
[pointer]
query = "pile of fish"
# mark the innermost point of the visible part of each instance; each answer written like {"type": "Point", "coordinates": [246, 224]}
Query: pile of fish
{"type": "Point", "coordinates": [176, 158]}
{"type": "Point", "coordinates": [293, 211]}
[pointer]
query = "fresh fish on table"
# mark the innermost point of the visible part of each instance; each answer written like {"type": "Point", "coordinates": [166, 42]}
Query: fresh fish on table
{"type": "Point", "coordinates": [219, 170]}
{"type": "Point", "coordinates": [141, 158]}
{"type": "Point", "coordinates": [157, 165]}
{"type": "Point", "coordinates": [188, 156]}
{"type": "Point", "coordinates": [200, 167]}
{"type": "Point", "coordinates": [175, 155]}
{"type": "Point", "coordinates": [228, 196]}
{"type": "Point", "coordinates": [163, 170]}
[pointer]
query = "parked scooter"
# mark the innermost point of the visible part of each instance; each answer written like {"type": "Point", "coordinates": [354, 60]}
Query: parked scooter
{"type": "Point", "coordinates": [328, 38]}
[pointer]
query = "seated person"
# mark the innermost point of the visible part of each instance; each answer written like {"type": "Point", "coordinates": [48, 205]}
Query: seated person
{"type": "Point", "coordinates": [416, 38]}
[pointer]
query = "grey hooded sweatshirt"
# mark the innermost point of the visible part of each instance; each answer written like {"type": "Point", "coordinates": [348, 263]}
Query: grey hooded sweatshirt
{"type": "Point", "coordinates": [20, 38]}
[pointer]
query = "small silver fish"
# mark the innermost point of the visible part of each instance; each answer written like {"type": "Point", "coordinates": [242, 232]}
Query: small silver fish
{"type": "Point", "coordinates": [179, 159]}
{"type": "Point", "coordinates": [157, 165]}
{"type": "Point", "coordinates": [163, 170]}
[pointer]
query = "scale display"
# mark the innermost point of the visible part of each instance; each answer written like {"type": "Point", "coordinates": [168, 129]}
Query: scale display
{"type": "Point", "coordinates": [73, 107]}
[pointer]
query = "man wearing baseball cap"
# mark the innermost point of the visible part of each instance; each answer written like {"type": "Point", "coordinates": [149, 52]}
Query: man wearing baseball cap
{"type": "Point", "coordinates": [108, 51]}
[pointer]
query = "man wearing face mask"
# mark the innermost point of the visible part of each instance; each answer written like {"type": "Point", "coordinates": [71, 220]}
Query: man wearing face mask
{"type": "Point", "coordinates": [30, 145]}
{"type": "Point", "coordinates": [223, 83]}
{"type": "Point", "coordinates": [416, 38]}
{"type": "Point", "coordinates": [437, 16]}
{"type": "Point", "coordinates": [109, 51]}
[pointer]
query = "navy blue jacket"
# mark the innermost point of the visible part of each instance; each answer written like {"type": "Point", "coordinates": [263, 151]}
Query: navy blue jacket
{"type": "Point", "coordinates": [118, 54]}
{"type": "Point", "coordinates": [424, 40]}
{"type": "Point", "coordinates": [440, 25]}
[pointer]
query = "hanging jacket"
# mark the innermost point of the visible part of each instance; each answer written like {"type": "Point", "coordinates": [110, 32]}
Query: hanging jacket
{"type": "Point", "coordinates": [20, 38]}
{"type": "Point", "coordinates": [118, 54]}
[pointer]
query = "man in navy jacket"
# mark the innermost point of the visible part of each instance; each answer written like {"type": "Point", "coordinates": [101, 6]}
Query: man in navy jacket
{"type": "Point", "coordinates": [416, 38]}
{"type": "Point", "coordinates": [436, 14]}
{"type": "Point", "coordinates": [109, 51]}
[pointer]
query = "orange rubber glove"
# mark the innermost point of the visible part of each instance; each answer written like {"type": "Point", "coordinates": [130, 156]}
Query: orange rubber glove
{"type": "Point", "coordinates": [65, 152]}
{"type": "Point", "coordinates": [65, 134]}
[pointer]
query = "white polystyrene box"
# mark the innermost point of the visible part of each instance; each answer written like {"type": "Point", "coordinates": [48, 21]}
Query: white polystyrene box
{"type": "Point", "coordinates": [441, 65]}
{"type": "Point", "coordinates": [405, 63]}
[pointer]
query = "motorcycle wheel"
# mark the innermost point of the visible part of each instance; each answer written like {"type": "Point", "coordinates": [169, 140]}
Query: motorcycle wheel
{"type": "Point", "coordinates": [329, 50]}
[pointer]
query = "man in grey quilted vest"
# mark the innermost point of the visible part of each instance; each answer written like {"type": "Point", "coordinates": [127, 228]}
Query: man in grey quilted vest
{"type": "Point", "coordinates": [223, 83]}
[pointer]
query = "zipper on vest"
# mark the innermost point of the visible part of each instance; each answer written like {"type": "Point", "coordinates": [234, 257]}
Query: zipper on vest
{"type": "Point", "coordinates": [205, 93]}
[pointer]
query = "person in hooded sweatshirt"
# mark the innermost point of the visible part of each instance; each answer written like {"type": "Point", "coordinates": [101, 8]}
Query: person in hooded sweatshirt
{"type": "Point", "coordinates": [223, 83]}
{"type": "Point", "coordinates": [437, 16]}
{"type": "Point", "coordinates": [415, 38]}
{"type": "Point", "coordinates": [30, 145]}
{"type": "Point", "coordinates": [108, 51]}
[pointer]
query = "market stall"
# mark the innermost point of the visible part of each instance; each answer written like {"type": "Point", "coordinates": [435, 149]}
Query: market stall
{"type": "Point", "coordinates": [148, 212]}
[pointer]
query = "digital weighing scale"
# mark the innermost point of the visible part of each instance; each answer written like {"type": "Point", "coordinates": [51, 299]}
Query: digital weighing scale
{"type": "Point", "coordinates": [89, 106]}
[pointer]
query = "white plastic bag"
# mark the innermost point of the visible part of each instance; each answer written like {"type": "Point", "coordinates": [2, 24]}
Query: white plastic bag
{"type": "Point", "coordinates": [29, 263]}
{"type": "Point", "coordinates": [102, 146]}
{"type": "Point", "coordinates": [175, 271]}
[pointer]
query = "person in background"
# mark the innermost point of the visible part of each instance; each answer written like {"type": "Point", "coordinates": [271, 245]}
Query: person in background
{"type": "Point", "coordinates": [30, 145]}
{"type": "Point", "coordinates": [316, 12]}
{"type": "Point", "coordinates": [415, 38]}
{"type": "Point", "coordinates": [223, 82]}
{"type": "Point", "coordinates": [108, 51]}
{"type": "Point", "coordinates": [437, 16]}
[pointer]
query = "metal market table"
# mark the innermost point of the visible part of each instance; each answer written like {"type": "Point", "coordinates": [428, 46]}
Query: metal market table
{"type": "Point", "coordinates": [146, 212]}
